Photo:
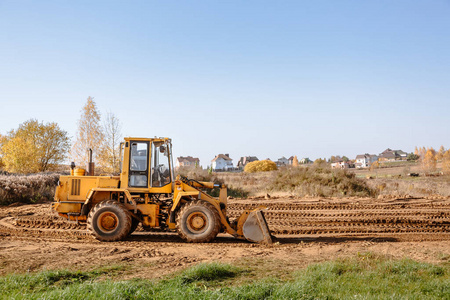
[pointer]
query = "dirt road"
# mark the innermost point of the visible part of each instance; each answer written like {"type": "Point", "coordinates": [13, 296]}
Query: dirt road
{"type": "Point", "coordinates": [33, 238]}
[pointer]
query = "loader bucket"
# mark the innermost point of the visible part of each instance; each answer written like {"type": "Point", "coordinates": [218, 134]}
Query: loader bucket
{"type": "Point", "coordinates": [255, 228]}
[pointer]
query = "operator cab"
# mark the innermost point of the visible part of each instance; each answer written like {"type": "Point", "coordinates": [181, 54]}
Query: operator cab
{"type": "Point", "coordinates": [147, 163]}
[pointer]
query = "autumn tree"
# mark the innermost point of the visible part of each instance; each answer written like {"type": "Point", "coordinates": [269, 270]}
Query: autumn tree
{"type": "Point", "coordinates": [429, 161]}
{"type": "Point", "coordinates": [109, 152]}
{"type": "Point", "coordinates": [375, 165]}
{"type": "Point", "coordinates": [1, 161]}
{"type": "Point", "coordinates": [89, 134]}
{"type": "Point", "coordinates": [295, 161]}
{"type": "Point", "coordinates": [412, 157]}
{"type": "Point", "coordinates": [446, 162]}
{"type": "Point", "coordinates": [34, 147]}
{"type": "Point", "coordinates": [320, 161]}
{"type": "Point", "coordinates": [422, 152]}
{"type": "Point", "coordinates": [440, 153]}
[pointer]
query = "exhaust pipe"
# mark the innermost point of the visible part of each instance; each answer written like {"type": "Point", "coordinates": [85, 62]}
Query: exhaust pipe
{"type": "Point", "coordinates": [91, 165]}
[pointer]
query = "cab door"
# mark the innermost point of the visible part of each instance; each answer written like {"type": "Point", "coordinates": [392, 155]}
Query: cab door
{"type": "Point", "coordinates": [138, 172]}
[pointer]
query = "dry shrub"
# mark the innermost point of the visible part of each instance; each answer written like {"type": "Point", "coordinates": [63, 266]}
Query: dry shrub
{"type": "Point", "coordinates": [320, 181]}
{"type": "Point", "coordinates": [27, 188]}
{"type": "Point", "coordinates": [416, 187]}
{"type": "Point", "coordinates": [260, 166]}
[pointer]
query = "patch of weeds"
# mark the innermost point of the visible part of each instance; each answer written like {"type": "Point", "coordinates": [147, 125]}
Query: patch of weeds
{"type": "Point", "coordinates": [208, 273]}
{"type": "Point", "coordinates": [365, 276]}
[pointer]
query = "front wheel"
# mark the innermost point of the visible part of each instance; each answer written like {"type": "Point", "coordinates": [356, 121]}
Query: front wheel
{"type": "Point", "coordinates": [198, 222]}
{"type": "Point", "coordinates": [109, 221]}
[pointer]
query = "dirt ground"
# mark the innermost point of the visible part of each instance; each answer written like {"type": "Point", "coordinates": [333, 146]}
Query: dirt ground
{"type": "Point", "coordinates": [32, 238]}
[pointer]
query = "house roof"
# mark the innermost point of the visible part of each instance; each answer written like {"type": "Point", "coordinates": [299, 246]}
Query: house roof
{"type": "Point", "coordinates": [223, 156]}
{"type": "Point", "coordinates": [246, 159]}
{"type": "Point", "coordinates": [188, 158]}
{"type": "Point", "coordinates": [367, 155]}
{"type": "Point", "coordinates": [389, 153]}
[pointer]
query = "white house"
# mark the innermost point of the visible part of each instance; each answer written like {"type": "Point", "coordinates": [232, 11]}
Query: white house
{"type": "Point", "coordinates": [340, 165]}
{"type": "Point", "coordinates": [305, 160]}
{"type": "Point", "coordinates": [365, 160]}
{"type": "Point", "coordinates": [222, 162]}
{"type": "Point", "coordinates": [187, 161]}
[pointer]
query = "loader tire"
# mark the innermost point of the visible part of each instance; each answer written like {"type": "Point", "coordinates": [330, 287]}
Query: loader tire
{"type": "Point", "coordinates": [109, 221]}
{"type": "Point", "coordinates": [134, 225]}
{"type": "Point", "coordinates": [198, 222]}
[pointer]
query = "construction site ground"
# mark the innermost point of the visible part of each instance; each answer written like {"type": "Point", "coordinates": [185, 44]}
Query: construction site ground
{"type": "Point", "coordinates": [33, 238]}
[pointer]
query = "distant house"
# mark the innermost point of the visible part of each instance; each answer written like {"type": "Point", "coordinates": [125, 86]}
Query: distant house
{"type": "Point", "coordinates": [187, 161]}
{"type": "Point", "coordinates": [222, 162]}
{"type": "Point", "coordinates": [283, 161]}
{"type": "Point", "coordinates": [365, 160]}
{"type": "Point", "coordinates": [305, 160]}
{"type": "Point", "coordinates": [243, 161]}
{"type": "Point", "coordinates": [340, 165]}
{"type": "Point", "coordinates": [291, 160]}
{"type": "Point", "coordinates": [392, 155]}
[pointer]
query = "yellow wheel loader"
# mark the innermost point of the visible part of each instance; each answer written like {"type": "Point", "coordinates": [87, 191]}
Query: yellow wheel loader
{"type": "Point", "coordinates": [146, 192]}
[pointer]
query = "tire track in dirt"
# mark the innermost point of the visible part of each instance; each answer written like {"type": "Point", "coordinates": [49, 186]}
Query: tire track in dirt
{"type": "Point", "coordinates": [283, 218]}
{"type": "Point", "coordinates": [352, 218]}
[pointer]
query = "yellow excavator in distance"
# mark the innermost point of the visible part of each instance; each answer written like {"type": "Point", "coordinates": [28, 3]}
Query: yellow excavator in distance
{"type": "Point", "coordinates": [147, 193]}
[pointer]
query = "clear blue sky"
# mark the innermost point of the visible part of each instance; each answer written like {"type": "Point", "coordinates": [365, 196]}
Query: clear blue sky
{"type": "Point", "coordinates": [264, 78]}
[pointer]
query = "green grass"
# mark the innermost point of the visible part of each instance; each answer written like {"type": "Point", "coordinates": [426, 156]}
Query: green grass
{"type": "Point", "coordinates": [362, 277]}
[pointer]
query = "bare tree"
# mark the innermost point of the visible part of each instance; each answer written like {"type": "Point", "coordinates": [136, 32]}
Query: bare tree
{"type": "Point", "coordinates": [109, 153]}
{"type": "Point", "coordinates": [89, 134]}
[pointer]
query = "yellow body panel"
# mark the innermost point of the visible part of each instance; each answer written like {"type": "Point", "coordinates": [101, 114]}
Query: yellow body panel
{"type": "Point", "coordinates": [67, 207]}
{"type": "Point", "coordinates": [150, 214]}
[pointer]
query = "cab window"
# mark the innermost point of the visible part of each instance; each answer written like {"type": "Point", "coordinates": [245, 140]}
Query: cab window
{"type": "Point", "coordinates": [160, 173]}
{"type": "Point", "coordinates": [138, 164]}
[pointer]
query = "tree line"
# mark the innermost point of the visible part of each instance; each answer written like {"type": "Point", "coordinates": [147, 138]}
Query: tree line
{"type": "Point", "coordinates": [428, 158]}
{"type": "Point", "coordinates": [40, 147]}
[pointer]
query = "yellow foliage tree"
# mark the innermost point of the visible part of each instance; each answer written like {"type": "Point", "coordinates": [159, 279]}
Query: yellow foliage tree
{"type": "Point", "coordinates": [34, 147]}
{"type": "Point", "coordinates": [440, 153]}
{"type": "Point", "coordinates": [108, 155]}
{"type": "Point", "coordinates": [422, 152]}
{"type": "Point", "coordinates": [429, 161]}
{"type": "Point", "coordinates": [446, 162]}
{"type": "Point", "coordinates": [320, 161]}
{"type": "Point", "coordinates": [374, 165]}
{"type": "Point", "coordinates": [260, 166]}
{"type": "Point", "coordinates": [89, 134]}
{"type": "Point", "coordinates": [295, 161]}
{"type": "Point", "coordinates": [1, 161]}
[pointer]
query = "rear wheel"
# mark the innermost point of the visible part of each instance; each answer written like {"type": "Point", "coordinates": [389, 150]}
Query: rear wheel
{"type": "Point", "coordinates": [109, 221]}
{"type": "Point", "coordinates": [198, 222]}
